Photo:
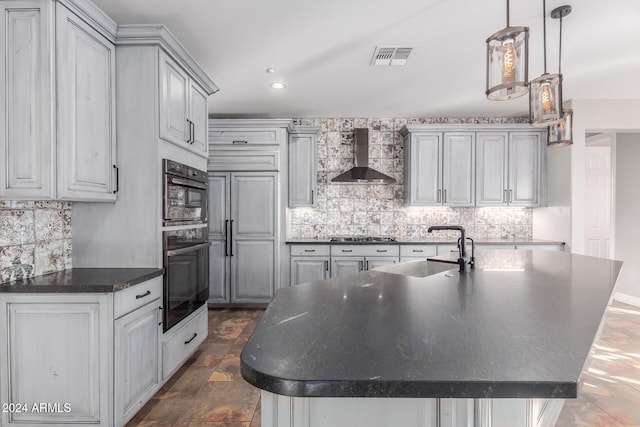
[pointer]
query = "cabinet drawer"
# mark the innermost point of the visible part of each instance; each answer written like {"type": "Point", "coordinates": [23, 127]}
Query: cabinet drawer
{"type": "Point", "coordinates": [365, 250]}
{"type": "Point", "coordinates": [310, 250]}
{"type": "Point", "coordinates": [127, 300]}
{"type": "Point", "coordinates": [417, 250]}
{"type": "Point", "coordinates": [243, 137]}
{"type": "Point", "coordinates": [178, 345]}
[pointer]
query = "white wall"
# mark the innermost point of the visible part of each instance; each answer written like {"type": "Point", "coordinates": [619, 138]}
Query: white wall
{"type": "Point", "coordinates": [627, 212]}
{"type": "Point", "coordinates": [564, 219]}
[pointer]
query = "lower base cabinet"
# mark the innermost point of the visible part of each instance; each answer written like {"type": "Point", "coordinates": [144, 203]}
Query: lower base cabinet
{"type": "Point", "coordinates": [137, 359]}
{"type": "Point", "coordinates": [88, 358]}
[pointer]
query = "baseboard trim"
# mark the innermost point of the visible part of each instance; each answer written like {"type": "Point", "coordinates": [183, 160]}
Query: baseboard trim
{"type": "Point", "coordinates": [627, 299]}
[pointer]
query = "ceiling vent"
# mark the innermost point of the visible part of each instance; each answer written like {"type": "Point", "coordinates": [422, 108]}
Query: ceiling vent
{"type": "Point", "coordinates": [391, 55]}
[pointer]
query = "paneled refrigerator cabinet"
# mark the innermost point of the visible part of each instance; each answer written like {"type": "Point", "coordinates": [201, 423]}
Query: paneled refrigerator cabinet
{"type": "Point", "coordinates": [243, 231]}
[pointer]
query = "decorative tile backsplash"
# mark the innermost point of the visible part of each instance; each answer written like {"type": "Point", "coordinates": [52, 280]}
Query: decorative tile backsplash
{"type": "Point", "coordinates": [368, 209]}
{"type": "Point", "coordinates": [35, 238]}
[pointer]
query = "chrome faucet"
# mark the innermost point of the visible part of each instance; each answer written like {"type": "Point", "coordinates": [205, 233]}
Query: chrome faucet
{"type": "Point", "coordinates": [462, 249]}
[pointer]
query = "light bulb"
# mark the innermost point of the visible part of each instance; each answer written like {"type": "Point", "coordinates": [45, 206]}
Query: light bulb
{"type": "Point", "coordinates": [545, 98]}
{"type": "Point", "coordinates": [508, 60]}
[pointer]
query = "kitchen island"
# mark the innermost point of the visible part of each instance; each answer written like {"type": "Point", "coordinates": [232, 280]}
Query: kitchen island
{"type": "Point", "coordinates": [503, 344]}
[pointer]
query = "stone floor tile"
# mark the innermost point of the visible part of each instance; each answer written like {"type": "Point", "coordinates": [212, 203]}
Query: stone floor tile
{"type": "Point", "coordinates": [615, 398]}
{"type": "Point", "coordinates": [161, 412]}
{"type": "Point", "coordinates": [584, 414]}
{"type": "Point", "coordinates": [224, 402]}
{"type": "Point", "coordinates": [228, 369]}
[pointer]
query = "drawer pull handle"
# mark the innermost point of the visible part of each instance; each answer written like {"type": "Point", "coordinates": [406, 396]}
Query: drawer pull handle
{"type": "Point", "coordinates": [381, 250]}
{"type": "Point", "coordinates": [143, 295]}
{"type": "Point", "coordinates": [195, 334]}
{"type": "Point", "coordinates": [239, 142]}
{"type": "Point", "coordinates": [309, 250]}
{"type": "Point", "coordinates": [347, 250]}
{"type": "Point", "coordinates": [418, 250]}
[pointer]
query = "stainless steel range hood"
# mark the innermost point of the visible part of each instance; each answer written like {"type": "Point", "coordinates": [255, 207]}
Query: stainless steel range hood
{"type": "Point", "coordinates": [361, 172]}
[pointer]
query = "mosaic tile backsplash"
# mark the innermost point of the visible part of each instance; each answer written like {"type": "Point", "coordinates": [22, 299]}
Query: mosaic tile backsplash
{"type": "Point", "coordinates": [379, 210]}
{"type": "Point", "coordinates": [35, 238]}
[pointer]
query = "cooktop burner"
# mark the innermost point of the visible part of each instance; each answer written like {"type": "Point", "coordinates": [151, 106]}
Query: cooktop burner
{"type": "Point", "coordinates": [362, 239]}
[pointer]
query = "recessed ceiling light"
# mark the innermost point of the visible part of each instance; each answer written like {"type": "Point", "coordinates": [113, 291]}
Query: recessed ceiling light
{"type": "Point", "coordinates": [277, 85]}
{"type": "Point", "coordinates": [270, 70]}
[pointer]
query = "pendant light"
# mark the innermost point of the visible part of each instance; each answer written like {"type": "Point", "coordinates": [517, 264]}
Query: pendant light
{"type": "Point", "coordinates": [561, 133]}
{"type": "Point", "coordinates": [545, 92]}
{"type": "Point", "coordinates": [507, 62]}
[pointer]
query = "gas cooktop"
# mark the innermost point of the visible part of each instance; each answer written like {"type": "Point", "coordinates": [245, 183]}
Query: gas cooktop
{"type": "Point", "coordinates": [362, 239]}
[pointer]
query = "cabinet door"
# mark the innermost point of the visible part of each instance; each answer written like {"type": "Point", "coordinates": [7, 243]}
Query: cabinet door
{"type": "Point", "coordinates": [137, 359]}
{"type": "Point", "coordinates": [309, 269]}
{"type": "Point", "coordinates": [525, 160]}
{"type": "Point", "coordinates": [219, 223]}
{"type": "Point", "coordinates": [198, 116]}
{"type": "Point", "coordinates": [302, 171]}
{"type": "Point", "coordinates": [255, 253]}
{"type": "Point", "coordinates": [25, 102]}
{"type": "Point", "coordinates": [86, 110]}
{"type": "Point", "coordinates": [346, 266]}
{"type": "Point", "coordinates": [458, 169]}
{"type": "Point", "coordinates": [491, 168]}
{"type": "Point", "coordinates": [424, 170]}
{"type": "Point", "coordinates": [58, 351]}
{"type": "Point", "coordinates": [373, 262]}
{"type": "Point", "coordinates": [174, 106]}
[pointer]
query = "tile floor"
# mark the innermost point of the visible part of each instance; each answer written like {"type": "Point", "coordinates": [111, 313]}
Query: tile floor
{"type": "Point", "coordinates": [209, 391]}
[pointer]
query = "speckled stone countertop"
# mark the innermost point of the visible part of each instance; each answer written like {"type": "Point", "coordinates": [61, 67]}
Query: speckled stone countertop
{"type": "Point", "coordinates": [426, 242]}
{"type": "Point", "coordinates": [520, 325]}
{"type": "Point", "coordinates": [77, 280]}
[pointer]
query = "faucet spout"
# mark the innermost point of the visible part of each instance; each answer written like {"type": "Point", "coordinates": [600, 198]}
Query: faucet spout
{"type": "Point", "coordinates": [462, 250]}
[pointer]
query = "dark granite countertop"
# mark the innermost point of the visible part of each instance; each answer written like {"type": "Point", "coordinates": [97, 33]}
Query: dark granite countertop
{"type": "Point", "coordinates": [83, 280]}
{"type": "Point", "coordinates": [442, 241]}
{"type": "Point", "coordinates": [519, 325]}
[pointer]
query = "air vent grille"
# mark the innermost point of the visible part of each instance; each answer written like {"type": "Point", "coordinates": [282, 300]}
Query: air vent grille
{"type": "Point", "coordinates": [391, 55]}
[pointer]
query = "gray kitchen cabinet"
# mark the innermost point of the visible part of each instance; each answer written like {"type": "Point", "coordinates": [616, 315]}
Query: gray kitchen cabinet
{"type": "Point", "coordinates": [183, 107]}
{"type": "Point", "coordinates": [57, 114]}
{"type": "Point", "coordinates": [99, 353]}
{"type": "Point", "coordinates": [417, 252]}
{"type": "Point", "coordinates": [137, 359]}
{"type": "Point", "coordinates": [309, 263]}
{"type": "Point", "coordinates": [302, 167]}
{"type": "Point", "coordinates": [309, 269]}
{"type": "Point", "coordinates": [243, 226]}
{"type": "Point", "coordinates": [510, 168]}
{"type": "Point", "coordinates": [439, 168]}
{"type": "Point", "coordinates": [351, 259]}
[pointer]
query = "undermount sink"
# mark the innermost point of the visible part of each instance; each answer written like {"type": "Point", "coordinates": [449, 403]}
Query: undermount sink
{"type": "Point", "coordinates": [416, 268]}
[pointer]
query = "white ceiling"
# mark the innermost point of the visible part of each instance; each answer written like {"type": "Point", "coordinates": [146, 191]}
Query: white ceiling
{"type": "Point", "coordinates": [322, 50]}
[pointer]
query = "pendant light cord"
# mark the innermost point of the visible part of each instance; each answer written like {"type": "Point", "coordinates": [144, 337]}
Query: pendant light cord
{"type": "Point", "coordinates": [544, 32]}
{"type": "Point", "coordinates": [507, 13]}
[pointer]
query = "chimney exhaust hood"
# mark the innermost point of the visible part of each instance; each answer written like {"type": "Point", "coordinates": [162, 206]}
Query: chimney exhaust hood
{"type": "Point", "coordinates": [361, 173]}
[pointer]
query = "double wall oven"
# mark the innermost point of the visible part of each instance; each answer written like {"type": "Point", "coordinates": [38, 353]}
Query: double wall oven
{"type": "Point", "coordinates": [184, 241]}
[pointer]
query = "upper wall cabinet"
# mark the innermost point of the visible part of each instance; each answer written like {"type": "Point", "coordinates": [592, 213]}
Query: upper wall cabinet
{"type": "Point", "coordinates": [57, 108]}
{"type": "Point", "coordinates": [183, 107]}
{"type": "Point", "coordinates": [302, 167]}
{"type": "Point", "coordinates": [439, 167]}
{"type": "Point", "coordinates": [511, 168]}
{"type": "Point", "coordinates": [479, 165]}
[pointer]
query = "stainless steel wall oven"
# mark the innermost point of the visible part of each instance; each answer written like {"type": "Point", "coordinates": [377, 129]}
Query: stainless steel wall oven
{"type": "Point", "coordinates": [186, 276]}
{"type": "Point", "coordinates": [185, 194]}
{"type": "Point", "coordinates": [185, 248]}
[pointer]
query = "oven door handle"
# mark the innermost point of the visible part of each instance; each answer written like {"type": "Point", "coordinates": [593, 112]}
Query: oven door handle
{"type": "Point", "coordinates": [187, 183]}
{"type": "Point", "coordinates": [188, 249]}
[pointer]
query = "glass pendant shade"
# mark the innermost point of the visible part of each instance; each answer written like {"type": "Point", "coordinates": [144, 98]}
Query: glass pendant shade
{"type": "Point", "coordinates": [507, 63]}
{"type": "Point", "coordinates": [561, 133]}
{"type": "Point", "coordinates": [545, 100]}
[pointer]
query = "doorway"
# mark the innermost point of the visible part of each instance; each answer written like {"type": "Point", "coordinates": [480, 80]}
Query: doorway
{"type": "Point", "coordinates": [599, 197]}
